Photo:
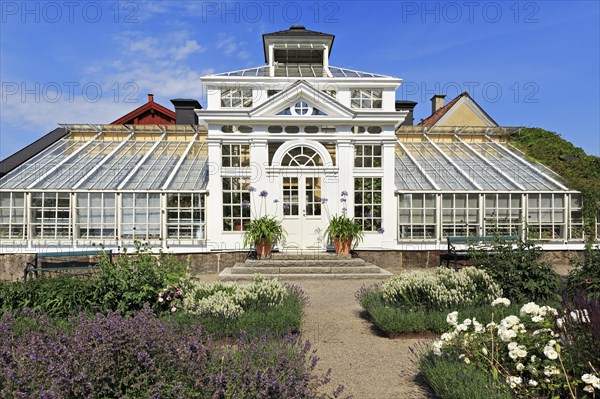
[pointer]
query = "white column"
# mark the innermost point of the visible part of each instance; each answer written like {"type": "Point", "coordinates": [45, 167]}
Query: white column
{"type": "Point", "coordinates": [345, 180]}
{"type": "Point", "coordinates": [389, 207]}
{"type": "Point", "coordinates": [214, 199]}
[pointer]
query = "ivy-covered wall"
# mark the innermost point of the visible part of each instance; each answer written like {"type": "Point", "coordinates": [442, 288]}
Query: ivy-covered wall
{"type": "Point", "coordinates": [582, 174]}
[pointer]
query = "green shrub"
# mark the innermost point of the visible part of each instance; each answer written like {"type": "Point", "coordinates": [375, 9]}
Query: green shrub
{"type": "Point", "coordinates": [585, 277]}
{"type": "Point", "coordinates": [255, 320]}
{"type": "Point", "coordinates": [397, 320]}
{"type": "Point", "coordinates": [517, 269]}
{"type": "Point", "coordinates": [452, 379]}
{"type": "Point", "coordinates": [126, 285]}
{"type": "Point", "coordinates": [442, 289]}
{"type": "Point", "coordinates": [58, 296]}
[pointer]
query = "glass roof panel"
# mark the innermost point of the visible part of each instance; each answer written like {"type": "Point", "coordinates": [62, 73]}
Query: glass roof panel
{"type": "Point", "coordinates": [483, 174]}
{"type": "Point", "coordinates": [193, 172]}
{"type": "Point", "coordinates": [439, 169]}
{"type": "Point", "coordinates": [524, 174]}
{"type": "Point", "coordinates": [78, 166]}
{"type": "Point", "coordinates": [408, 176]}
{"type": "Point", "coordinates": [121, 164]}
{"type": "Point", "coordinates": [38, 166]}
{"type": "Point", "coordinates": [153, 173]}
{"type": "Point", "coordinates": [313, 70]}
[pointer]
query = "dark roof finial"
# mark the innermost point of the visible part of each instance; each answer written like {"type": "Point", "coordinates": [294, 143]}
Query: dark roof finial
{"type": "Point", "coordinates": [297, 27]}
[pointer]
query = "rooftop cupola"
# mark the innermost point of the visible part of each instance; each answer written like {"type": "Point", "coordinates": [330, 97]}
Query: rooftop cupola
{"type": "Point", "coordinates": [297, 46]}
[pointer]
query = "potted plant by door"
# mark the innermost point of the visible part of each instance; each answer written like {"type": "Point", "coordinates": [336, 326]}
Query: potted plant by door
{"type": "Point", "coordinates": [343, 231]}
{"type": "Point", "coordinates": [263, 233]}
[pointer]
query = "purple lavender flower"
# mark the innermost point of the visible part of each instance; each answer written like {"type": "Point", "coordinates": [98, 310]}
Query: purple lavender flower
{"type": "Point", "coordinates": [381, 230]}
{"type": "Point", "coordinates": [276, 201]}
{"type": "Point", "coordinates": [343, 199]}
{"type": "Point", "coordinates": [245, 204]}
{"type": "Point", "coordinates": [324, 200]}
{"type": "Point", "coordinates": [252, 189]}
{"type": "Point", "coordinates": [263, 193]}
{"type": "Point", "coordinates": [286, 206]}
{"type": "Point", "coordinates": [344, 193]}
{"type": "Point", "coordinates": [368, 214]}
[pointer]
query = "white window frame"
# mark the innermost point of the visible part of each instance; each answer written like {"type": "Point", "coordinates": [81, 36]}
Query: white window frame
{"type": "Point", "coordinates": [236, 98]}
{"type": "Point", "coordinates": [414, 222]}
{"type": "Point", "coordinates": [456, 225]}
{"type": "Point", "coordinates": [13, 223]}
{"type": "Point", "coordinates": [87, 213]}
{"type": "Point", "coordinates": [236, 215]}
{"type": "Point", "coordinates": [576, 225]}
{"type": "Point", "coordinates": [185, 216]}
{"type": "Point", "coordinates": [368, 212]}
{"type": "Point", "coordinates": [366, 98]}
{"type": "Point", "coordinates": [138, 221]}
{"type": "Point", "coordinates": [504, 221]}
{"type": "Point", "coordinates": [235, 155]}
{"type": "Point", "coordinates": [539, 229]}
{"type": "Point", "coordinates": [51, 221]}
{"type": "Point", "coordinates": [365, 156]}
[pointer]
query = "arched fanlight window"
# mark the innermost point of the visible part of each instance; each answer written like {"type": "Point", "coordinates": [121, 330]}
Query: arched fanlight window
{"type": "Point", "coordinates": [302, 156]}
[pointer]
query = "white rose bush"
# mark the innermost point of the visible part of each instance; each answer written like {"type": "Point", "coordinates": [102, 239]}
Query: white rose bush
{"type": "Point", "coordinates": [528, 352]}
{"type": "Point", "coordinates": [419, 301]}
{"type": "Point", "coordinates": [230, 300]}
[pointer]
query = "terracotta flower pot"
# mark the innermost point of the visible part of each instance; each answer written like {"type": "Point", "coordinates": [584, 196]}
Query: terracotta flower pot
{"type": "Point", "coordinates": [342, 245]}
{"type": "Point", "coordinates": [263, 248]}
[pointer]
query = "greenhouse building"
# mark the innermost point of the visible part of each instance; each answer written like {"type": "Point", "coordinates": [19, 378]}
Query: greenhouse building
{"type": "Point", "coordinates": [296, 138]}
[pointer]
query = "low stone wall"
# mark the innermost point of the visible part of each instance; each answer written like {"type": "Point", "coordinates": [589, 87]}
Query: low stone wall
{"type": "Point", "coordinates": [12, 265]}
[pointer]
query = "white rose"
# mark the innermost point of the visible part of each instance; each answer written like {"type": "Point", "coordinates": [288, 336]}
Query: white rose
{"type": "Point", "coordinates": [520, 367]}
{"type": "Point", "coordinates": [501, 301]}
{"type": "Point", "coordinates": [533, 383]}
{"type": "Point", "coordinates": [589, 388]}
{"type": "Point", "coordinates": [550, 353]}
{"type": "Point", "coordinates": [484, 351]}
{"type": "Point", "coordinates": [530, 308]}
{"type": "Point", "coordinates": [452, 318]}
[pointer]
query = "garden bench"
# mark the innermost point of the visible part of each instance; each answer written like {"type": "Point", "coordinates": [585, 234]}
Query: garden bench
{"type": "Point", "coordinates": [460, 247]}
{"type": "Point", "coordinates": [37, 265]}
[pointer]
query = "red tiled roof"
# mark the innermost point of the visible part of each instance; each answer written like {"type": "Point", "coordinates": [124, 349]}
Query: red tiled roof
{"type": "Point", "coordinates": [437, 115]}
{"type": "Point", "coordinates": [149, 113]}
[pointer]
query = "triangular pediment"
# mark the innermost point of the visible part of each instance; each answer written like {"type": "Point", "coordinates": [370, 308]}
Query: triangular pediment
{"type": "Point", "coordinates": [302, 100]}
{"type": "Point", "coordinates": [465, 112]}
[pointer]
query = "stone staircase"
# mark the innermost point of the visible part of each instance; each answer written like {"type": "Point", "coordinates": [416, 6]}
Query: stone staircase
{"type": "Point", "coordinates": [302, 266]}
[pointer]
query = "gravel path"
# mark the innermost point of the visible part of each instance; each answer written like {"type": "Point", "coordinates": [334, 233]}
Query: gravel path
{"type": "Point", "coordinates": [369, 366]}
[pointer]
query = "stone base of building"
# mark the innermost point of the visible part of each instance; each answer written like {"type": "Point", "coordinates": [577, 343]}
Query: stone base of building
{"type": "Point", "coordinates": [12, 265]}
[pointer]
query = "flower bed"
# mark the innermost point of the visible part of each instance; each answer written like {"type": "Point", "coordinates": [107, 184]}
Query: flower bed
{"type": "Point", "coordinates": [143, 356]}
{"type": "Point", "coordinates": [419, 301]}
{"type": "Point", "coordinates": [262, 307]}
{"type": "Point", "coordinates": [534, 353]}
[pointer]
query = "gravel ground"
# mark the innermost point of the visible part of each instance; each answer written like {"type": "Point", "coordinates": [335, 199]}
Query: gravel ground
{"type": "Point", "coordinates": [368, 365]}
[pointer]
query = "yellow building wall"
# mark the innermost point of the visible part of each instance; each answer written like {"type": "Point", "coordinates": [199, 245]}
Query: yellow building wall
{"type": "Point", "coordinates": [464, 116]}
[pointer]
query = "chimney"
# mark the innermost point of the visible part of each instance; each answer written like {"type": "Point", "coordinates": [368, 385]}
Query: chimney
{"type": "Point", "coordinates": [185, 113]}
{"type": "Point", "coordinates": [403, 105]}
{"type": "Point", "coordinates": [150, 98]}
{"type": "Point", "coordinates": [437, 102]}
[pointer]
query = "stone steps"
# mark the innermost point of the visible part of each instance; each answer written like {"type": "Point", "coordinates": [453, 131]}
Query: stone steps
{"type": "Point", "coordinates": [304, 263]}
{"type": "Point", "coordinates": [299, 266]}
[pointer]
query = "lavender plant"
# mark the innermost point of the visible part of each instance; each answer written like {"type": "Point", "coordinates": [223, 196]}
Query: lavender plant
{"type": "Point", "coordinates": [143, 356]}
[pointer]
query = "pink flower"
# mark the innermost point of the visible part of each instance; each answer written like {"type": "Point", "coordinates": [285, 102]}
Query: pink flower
{"type": "Point", "coordinates": [173, 309]}
{"type": "Point", "coordinates": [160, 299]}
{"type": "Point", "coordinates": [588, 281]}
{"type": "Point", "coordinates": [160, 295]}
{"type": "Point", "coordinates": [169, 298]}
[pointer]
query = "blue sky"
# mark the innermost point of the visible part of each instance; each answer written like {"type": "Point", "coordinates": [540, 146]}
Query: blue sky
{"type": "Point", "coordinates": [531, 63]}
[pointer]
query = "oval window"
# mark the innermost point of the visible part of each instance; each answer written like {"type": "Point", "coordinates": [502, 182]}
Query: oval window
{"type": "Point", "coordinates": [275, 129]}
{"type": "Point", "coordinates": [374, 129]}
{"type": "Point", "coordinates": [311, 129]}
{"type": "Point", "coordinates": [328, 129]}
{"type": "Point", "coordinates": [227, 128]}
{"type": "Point", "coordinates": [292, 129]}
{"type": "Point", "coordinates": [245, 129]}
{"type": "Point", "coordinates": [358, 129]}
